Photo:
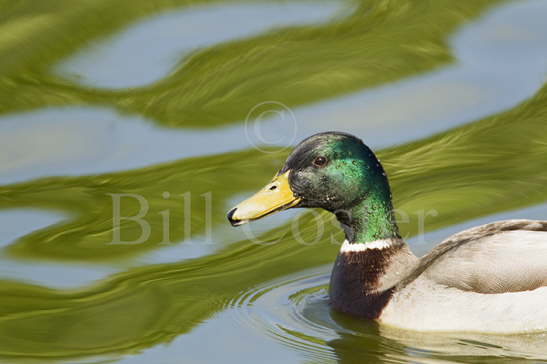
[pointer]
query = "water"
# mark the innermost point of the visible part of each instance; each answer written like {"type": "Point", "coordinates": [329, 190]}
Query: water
{"type": "Point", "coordinates": [171, 36]}
{"type": "Point", "coordinates": [479, 84]}
{"type": "Point", "coordinates": [193, 106]}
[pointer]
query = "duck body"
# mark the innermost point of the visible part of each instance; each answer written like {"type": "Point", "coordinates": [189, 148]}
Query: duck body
{"type": "Point", "coordinates": [489, 279]}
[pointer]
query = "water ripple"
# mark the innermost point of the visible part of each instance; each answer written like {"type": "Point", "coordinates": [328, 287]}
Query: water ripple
{"type": "Point", "coordinates": [172, 35]}
{"type": "Point", "coordinates": [479, 84]}
{"type": "Point", "coordinates": [295, 312]}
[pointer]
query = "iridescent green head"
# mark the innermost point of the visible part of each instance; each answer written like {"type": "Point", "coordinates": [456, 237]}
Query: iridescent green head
{"type": "Point", "coordinates": [334, 171]}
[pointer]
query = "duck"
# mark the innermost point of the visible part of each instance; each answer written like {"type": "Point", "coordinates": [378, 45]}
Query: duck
{"type": "Point", "coordinates": [487, 279]}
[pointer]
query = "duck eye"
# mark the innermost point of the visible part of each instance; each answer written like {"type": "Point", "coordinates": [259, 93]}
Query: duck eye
{"type": "Point", "coordinates": [320, 161]}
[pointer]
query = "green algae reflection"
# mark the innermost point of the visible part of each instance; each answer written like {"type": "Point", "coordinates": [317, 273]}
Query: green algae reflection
{"type": "Point", "coordinates": [491, 165]}
{"type": "Point", "coordinates": [381, 41]}
{"type": "Point", "coordinates": [484, 167]}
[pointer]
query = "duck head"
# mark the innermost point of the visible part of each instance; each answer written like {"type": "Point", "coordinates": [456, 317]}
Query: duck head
{"type": "Point", "coordinates": [334, 171]}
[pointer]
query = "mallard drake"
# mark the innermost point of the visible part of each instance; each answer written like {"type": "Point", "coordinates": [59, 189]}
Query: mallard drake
{"type": "Point", "coordinates": [491, 278]}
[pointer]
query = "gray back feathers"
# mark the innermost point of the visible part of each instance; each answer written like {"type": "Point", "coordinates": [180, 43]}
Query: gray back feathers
{"type": "Point", "coordinates": [506, 256]}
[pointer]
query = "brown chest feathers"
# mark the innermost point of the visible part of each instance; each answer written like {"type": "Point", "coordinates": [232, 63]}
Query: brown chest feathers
{"type": "Point", "coordinates": [362, 282]}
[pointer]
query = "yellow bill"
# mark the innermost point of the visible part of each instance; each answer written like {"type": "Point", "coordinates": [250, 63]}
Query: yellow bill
{"type": "Point", "coordinates": [276, 196]}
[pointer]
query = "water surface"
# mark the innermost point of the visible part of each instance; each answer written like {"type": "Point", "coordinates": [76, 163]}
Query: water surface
{"type": "Point", "coordinates": [187, 105]}
{"type": "Point", "coordinates": [150, 49]}
{"type": "Point", "coordinates": [481, 82]}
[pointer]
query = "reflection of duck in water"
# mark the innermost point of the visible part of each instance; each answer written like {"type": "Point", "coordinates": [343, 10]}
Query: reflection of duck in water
{"type": "Point", "coordinates": [384, 344]}
{"type": "Point", "coordinates": [492, 278]}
